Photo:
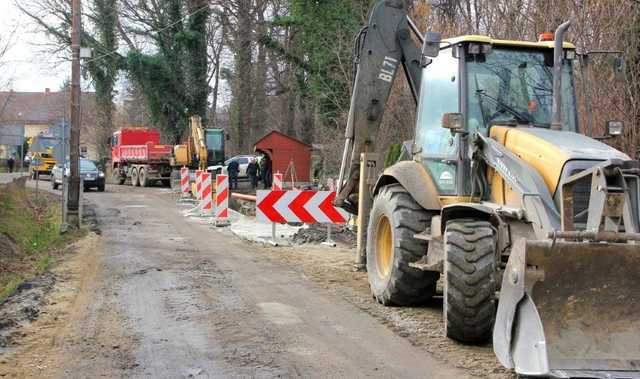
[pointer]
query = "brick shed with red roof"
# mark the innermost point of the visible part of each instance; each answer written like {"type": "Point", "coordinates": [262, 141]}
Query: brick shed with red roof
{"type": "Point", "coordinates": [284, 150]}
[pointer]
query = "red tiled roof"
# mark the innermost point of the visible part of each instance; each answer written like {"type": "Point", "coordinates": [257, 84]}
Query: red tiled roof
{"type": "Point", "coordinates": [275, 132]}
{"type": "Point", "coordinates": [38, 107]}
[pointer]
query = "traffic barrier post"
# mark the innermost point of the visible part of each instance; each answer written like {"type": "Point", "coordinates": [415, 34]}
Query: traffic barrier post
{"type": "Point", "coordinates": [199, 184]}
{"type": "Point", "coordinates": [222, 200]}
{"type": "Point", "coordinates": [329, 241]}
{"type": "Point", "coordinates": [197, 210]}
{"type": "Point", "coordinates": [276, 185]}
{"type": "Point", "coordinates": [207, 195]}
{"type": "Point", "coordinates": [185, 190]}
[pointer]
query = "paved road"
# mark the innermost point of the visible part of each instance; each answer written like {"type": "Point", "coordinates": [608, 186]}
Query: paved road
{"type": "Point", "coordinates": [183, 300]}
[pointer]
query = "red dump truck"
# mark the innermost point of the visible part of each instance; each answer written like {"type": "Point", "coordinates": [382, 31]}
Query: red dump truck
{"type": "Point", "coordinates": [136, 154]}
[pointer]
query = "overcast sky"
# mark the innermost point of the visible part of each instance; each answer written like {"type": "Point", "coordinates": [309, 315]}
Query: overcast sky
{"type": "Point", "coordinates": [25, 64]}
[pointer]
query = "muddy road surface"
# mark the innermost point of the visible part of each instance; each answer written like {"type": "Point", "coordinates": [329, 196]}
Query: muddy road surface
{"type": "Point", "coordinates": [154, 294]}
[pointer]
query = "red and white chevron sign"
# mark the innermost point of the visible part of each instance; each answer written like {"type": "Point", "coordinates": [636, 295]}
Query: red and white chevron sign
{"type": "Point", "coordinates": [308, 207]}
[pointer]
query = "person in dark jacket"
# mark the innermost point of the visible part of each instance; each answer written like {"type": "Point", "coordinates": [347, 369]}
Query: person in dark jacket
{"type": "Point", "coordinates": [252, 173]}
{"type": "Point", "coordinates": [11, 162]}
{"type": "Point", "coordinates": [232, 169]}
{"type": "Point", "coordinates": [265, 172]}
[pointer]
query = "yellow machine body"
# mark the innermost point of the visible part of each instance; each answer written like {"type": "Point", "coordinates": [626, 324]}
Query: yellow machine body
{"type": "Point", "coordinates": [47, 161]}
{"type": "Point", "coordinates": [546, 151]}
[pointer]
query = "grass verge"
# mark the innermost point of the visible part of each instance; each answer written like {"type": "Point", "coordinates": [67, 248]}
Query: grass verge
{"type": "Point", "coordinates": [30, 231]}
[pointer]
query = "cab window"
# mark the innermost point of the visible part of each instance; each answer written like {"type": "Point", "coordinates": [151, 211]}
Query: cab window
{"type": "Point", "coordinates": [515, 86]}
{"type": "Point", "coordinates": [439, 94]}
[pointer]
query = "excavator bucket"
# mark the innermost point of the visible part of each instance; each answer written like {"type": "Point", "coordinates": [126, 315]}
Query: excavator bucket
{"type": "Point", "coordinates": [571, 309]}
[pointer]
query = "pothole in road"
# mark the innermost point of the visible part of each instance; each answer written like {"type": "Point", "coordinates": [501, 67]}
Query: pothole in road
{"type": "Point", "coordinates": [146, 270]}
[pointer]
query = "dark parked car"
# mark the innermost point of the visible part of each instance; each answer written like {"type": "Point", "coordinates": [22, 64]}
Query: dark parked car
{"type": "Point", "coordinates": [91, 176]}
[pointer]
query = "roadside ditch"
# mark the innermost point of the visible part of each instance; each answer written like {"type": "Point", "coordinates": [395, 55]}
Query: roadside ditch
{"type": "Point", "coordinates": [30, 243]}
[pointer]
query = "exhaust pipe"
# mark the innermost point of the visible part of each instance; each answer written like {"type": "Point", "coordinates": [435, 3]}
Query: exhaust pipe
{"type": "Point", "coordinates": [556, 118]}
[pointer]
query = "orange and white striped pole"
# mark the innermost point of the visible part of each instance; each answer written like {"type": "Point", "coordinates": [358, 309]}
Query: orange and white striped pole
{"type": "Point", "coordinates": [206, 203]}
{"type": "Point", "coordinates": [222, 200]}
{"type": "Point", "coordinates": [276, 185]}
{"type": "Point", "coordinates": [198, 193]}
{"type": "Point", "coordinates": [184, 182]}
{"type": "Point", "coordinates": [277, 182]}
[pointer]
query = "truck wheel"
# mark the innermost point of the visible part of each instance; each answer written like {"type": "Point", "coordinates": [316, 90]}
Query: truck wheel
{"type": "Point", "coordinates": [54, 185]}
{"type": "Point", "coordinates": [469, 280]}
{"type": "Point", "coordinates": [395, 218]}
{"type": "Point", "coordinates": [142, 177]}
{"type": "Point", "coordinates": [134, 177]}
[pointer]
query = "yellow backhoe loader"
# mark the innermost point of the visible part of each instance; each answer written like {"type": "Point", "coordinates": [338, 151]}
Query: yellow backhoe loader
{"type": "Point", "coordinates": [532, 225]}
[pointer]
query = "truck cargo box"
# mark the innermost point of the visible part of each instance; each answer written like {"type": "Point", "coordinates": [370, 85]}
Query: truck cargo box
{"type": "Point", "coordinates": [148, 153]}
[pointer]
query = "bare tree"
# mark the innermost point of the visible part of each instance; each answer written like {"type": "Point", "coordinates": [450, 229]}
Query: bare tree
{"type": "Point", "coordinates": [216, 40]}
{"type": "Point", "coordinates": [6, 42]}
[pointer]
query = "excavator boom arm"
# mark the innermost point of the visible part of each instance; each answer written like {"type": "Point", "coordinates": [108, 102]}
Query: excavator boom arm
{"type": "Point", "coordinates": [381, 47]}
{"type": "Point", "coordinates": [199, 142]}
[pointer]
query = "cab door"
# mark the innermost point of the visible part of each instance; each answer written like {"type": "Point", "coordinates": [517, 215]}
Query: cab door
{"type": "Point", "coordinates": [436, 147]}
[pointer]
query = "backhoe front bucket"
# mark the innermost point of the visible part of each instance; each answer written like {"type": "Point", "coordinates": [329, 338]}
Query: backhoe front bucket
{"type": "Point", "coordinates": [570, 309]}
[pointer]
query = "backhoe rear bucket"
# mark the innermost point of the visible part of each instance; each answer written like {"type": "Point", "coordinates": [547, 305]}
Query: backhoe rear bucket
{"type": "Point", "coordinates": [570, 309]}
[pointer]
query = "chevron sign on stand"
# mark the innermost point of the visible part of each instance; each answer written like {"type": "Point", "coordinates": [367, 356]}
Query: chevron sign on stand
{"type": "Point", "coordinates": [308, 207]}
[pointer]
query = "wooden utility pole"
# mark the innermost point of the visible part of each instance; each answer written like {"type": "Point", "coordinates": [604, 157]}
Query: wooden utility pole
{"type": "Point", "coordinates": [73, 205]}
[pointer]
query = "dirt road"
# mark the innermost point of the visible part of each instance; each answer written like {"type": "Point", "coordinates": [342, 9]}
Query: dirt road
{"type": "Point", "coordinates": [157, 296]}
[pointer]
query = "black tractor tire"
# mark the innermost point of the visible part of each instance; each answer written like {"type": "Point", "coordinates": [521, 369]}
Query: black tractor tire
{"type": "Point", "coordinates": [143, 177]}
{"type": "Point", "coordinates": [469, 280]}
{"type": "Point", "coordinates": [394, 220]}
{"type": "Point", "coordinates": [101, 187]}
{"type": "Point", "coordinates": [134, 177]}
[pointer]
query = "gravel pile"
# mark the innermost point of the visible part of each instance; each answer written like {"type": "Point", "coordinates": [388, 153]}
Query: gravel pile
{"type": "Point", "coordinates": [317, 233]}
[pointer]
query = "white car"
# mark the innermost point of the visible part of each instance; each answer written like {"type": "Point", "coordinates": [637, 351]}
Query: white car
{"type": "Point", "coordinates": [243, 162]}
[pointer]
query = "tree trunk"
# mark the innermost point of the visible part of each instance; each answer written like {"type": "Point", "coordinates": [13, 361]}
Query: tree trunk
{"type": "Point", "coordinates": [260, 90]}
{"type": "Point", "coordinates": [196, 53]}
{"type": "Point", "coordinates": [243, 105]}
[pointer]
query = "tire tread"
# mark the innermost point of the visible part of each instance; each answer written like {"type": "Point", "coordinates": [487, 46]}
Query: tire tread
{"type": "Point", "coordinates": [470, 280]}
{"type": "Point", "coordinates": [407, 285]}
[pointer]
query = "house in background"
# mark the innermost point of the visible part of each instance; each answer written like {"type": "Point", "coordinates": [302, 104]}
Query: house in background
{"type": "Point", "coordinates": [28, 114]}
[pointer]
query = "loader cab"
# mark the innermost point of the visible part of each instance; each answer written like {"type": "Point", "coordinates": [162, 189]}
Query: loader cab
{"type": "Point", "coordinates": [215, 141]}
{"type": "Point", "coordinates": [488, 83]}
